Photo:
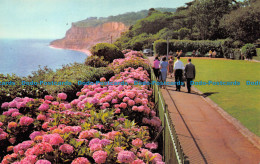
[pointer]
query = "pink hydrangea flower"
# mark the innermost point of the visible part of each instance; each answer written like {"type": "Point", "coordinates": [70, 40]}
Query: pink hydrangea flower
{"type": "Point", "coordinates": [41, 117]}
{"type": "Point", "coordinates": [25, 121]}
{"type": "Point", "coordinates": [80, 160]}
{"type": "Point", "coordinates": [34, 134]}
{"type": "Point", "coordinates": [131, 102]}
{"type": "Point", "coordinates": [87, 134]}
{"type": "Point", "coordinates": [138, 161]}
{"type": "Point", "coordinates": [137, 142]}
{"type": "Point", "coordinates": [12, 125]}
{"type": "Point", "coordinates": [126, 156]}
{"type": "Point", "coordinates": [62, 96]}
{"type": "Point", "coordinates": [55, 139]}
{"type": "Point", "coordinates": [29, 159]}
{"type": "Point", "coordinates": [66, 148]}
{"type": "Point", "coordinates": [43, 161]}
{"type": "Point", "coordinates": [12, 140]}
{"type": "Point", "coordinates": [14, 114]}
{"type": "Point", "coordinates": [95, 147]}
{"type": "Point", "coordinates": [118, 149]}
{"type": "Point", "coordinates": [123, 105]}
{"type": "Point", "coordinates": [117, 110]}
{"type": "Point", "coordinates": [151, 145]}
{"type": "Point", "coordinates": [48, 97]}
{"type": "Point", "coordinates": [5, 105]}
{"type": "Point", "coordinates": [44, 107]}
{"type": "Point", "coordinates": [100, 156]}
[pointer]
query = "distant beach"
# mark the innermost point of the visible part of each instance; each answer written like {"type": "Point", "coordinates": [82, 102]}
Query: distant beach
{"type": "Point", "coordinates": [87, 52]}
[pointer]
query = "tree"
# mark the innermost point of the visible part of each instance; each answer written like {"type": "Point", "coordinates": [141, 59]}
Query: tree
{"type": "Point", "coordinates": [243, 23]}
{"type": "Point", "coordinates": [207, 14]}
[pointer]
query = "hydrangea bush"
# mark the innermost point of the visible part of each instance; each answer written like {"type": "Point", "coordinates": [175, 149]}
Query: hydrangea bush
{"type": "Point", "coordinates": [105, 124]}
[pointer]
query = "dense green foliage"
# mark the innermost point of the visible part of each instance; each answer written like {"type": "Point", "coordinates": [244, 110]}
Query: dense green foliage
{"type": "Point", "coordinates": [197, 20]}
{"type": "Point", "coordinates": [70, 73]}
{"type": "Point", "coordinates": [108, 51]}
{"type": "Point", "coordinates": [243, 23]}
{"type": "Point", "coordinates": [9, 92]}
{"type": "Point", "coordinates": [96, 61]}
{"type": "Point", "coordinates": [128, 19]}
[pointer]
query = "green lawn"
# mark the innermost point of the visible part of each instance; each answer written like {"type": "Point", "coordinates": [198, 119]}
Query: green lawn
{"type": "Point", "coordinates": [243, 101]}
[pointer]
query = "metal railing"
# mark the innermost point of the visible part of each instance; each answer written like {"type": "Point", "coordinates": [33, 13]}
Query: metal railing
{"type": "Point", "coordinates": [172, 150]}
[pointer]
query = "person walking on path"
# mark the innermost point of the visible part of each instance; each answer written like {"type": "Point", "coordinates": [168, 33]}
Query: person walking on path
{"type": "Point", "coordinates": [189, 73]}
{"type": "Point", "coordinates": [178, 71]}
{"type": "Point", "coordinates": [156, 67]}
{"type": "Point", "coordinates": [164, 65]}
{"type": "Point", "coordinates": [170, 68]}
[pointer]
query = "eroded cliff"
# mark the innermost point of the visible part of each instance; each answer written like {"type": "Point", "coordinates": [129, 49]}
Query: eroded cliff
{"type": "Point", "coordinates": [85, 37]}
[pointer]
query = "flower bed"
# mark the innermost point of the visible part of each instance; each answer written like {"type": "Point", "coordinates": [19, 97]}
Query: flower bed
{"type": "Point", "coordinates": [105, 124]}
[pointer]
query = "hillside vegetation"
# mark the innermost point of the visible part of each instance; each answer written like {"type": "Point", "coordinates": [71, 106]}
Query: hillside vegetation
{"type": "Point", "coordinates": [197, 20]}
{"type": "Point", "coordinates": [128, 19]}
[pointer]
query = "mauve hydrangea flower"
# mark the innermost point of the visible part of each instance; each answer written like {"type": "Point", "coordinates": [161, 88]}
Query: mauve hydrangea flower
{"type": "Point", "coordinates": [80, 160]}
{"type": "Point", "coordinates": [100, 156]}
{"type": "Point", "coordinates": [22, 146]}
{"type": "Point", "coordinates": [25, 121]}
{"type": "Point", "coordinates": [126, 156]}
{"type": "Point", "coordinates": [44, 107]}
{"type": "Point", "coordinates": [62, 96]}
{"type": "Point", "coordinates": [66, 148]}
{"type": "Point", "coordinates": [5, 105]}
{"type": "Point", "coordinates": [43, 161]}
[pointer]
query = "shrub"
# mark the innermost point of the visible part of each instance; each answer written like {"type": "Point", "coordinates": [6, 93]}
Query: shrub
{"type": "Point", "coordinates": [70, 74]}
{"type": "Point", "coordinates": [249, 50]}
{"type": "Point", "coordinates": [134, 59]}
{"type": "Point", "coordinates": [96, 61]}
{"type": "Point", "coordinates": [9, 92]}
{"type": "Point", "coordinates": [108, 51]}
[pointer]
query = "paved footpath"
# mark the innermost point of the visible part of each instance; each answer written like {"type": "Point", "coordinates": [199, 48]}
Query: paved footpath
{"type": "Point", "coordinates": [205, 135]}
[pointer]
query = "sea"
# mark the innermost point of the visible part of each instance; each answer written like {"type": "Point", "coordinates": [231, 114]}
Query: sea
{"type": "Point", "coordinates": [23, 56]}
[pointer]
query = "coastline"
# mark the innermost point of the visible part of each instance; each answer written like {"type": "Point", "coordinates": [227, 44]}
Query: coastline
{"type": "Point", "coordinates": [85, 51]}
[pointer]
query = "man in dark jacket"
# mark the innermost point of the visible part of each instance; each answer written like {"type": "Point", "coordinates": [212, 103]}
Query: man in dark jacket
{"type": "Point", "coordinates": [189, 74]}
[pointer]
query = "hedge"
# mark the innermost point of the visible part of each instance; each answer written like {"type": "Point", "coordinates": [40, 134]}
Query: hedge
{"type": "Point", "coordinates": [221, 46]}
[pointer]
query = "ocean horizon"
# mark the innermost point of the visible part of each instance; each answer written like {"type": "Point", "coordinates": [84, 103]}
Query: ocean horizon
{"type": "Point", "coordinates": [23, 56]}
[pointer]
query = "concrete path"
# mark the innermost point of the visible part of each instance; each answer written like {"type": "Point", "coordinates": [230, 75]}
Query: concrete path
{"type": "Point", "coordinates": [205, 135]}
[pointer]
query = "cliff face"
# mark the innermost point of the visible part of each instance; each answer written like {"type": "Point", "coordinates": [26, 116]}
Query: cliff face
{"type": "Point", "coordinates": [86, 37]}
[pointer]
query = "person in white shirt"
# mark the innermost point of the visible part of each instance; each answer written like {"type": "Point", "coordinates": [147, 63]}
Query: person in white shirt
{"type": "Point", "coordinates": [178, 71]}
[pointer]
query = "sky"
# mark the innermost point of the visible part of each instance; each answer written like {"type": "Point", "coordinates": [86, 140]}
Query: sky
{"type": "Point", "coordinates": [52, 18]}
